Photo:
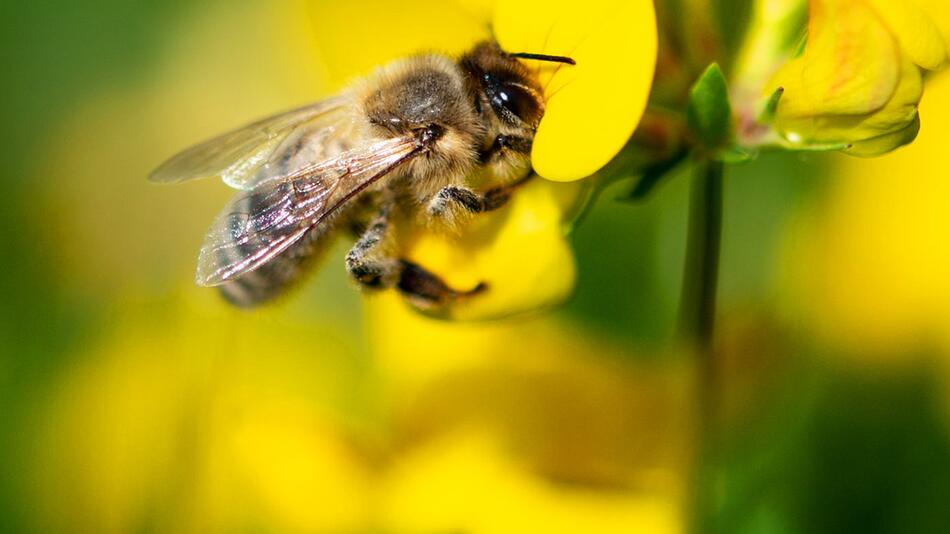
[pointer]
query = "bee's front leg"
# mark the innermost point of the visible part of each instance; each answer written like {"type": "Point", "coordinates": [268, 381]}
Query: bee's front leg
{"type": "Point", "coordinates": [452, 196]}
{"type": "Point", "coordinates": [512, 143]}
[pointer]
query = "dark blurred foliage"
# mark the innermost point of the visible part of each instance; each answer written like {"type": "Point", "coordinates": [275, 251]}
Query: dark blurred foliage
{"type": "Point", "coordinates": [841, 453]}
{"type": "Point", "coordinates": [630, 254]}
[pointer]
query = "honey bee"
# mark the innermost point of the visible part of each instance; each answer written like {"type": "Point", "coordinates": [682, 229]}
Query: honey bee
{"type": "Point", "coordinates": [403, 142]}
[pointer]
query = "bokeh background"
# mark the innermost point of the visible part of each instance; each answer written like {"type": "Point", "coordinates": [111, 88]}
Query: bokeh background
{"type": "Point", "coordinates": [131, 401]}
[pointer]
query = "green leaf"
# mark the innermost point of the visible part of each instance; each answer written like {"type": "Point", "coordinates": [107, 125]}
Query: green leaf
{"type": "Point", "coordinates": [710, 114]}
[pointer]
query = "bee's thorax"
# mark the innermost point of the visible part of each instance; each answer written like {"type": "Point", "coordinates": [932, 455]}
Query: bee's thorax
{"type": "Point", "coordinates": [461, 111]}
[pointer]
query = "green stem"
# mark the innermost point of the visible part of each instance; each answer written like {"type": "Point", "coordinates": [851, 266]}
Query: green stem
{"type": "Point", "coordinates": [698, 311]}
{"type": "Point", "coordinates": [698, 307]}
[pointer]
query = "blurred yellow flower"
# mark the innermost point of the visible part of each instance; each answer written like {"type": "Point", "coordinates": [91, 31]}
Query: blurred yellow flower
{"type": "Point", "coordinates": [774, 31]}
{"type": "Point", "coordinates": [465, 483]}
{"type": "Point", "coordinates": [859, 80]}
{"type": "Point", "coordinates": [870, 267]}
{"type": "Point", "coordinates": [191, 417]}
{"type": "Point", "coordinates": [127, 233]}
{"type": "Point", "coordinates": [567, 431]}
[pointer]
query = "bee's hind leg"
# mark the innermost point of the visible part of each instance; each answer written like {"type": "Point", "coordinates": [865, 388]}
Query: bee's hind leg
{"type": "Point", "coordinates": [367, 261]}
{"type": "Point", "coordinates": [370, 264]}
{"type": "Point", "coordinates": [427, 291]}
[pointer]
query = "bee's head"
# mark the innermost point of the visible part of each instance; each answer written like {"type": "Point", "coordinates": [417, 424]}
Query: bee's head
{"type": "Point", "coordinates": [510, 89]}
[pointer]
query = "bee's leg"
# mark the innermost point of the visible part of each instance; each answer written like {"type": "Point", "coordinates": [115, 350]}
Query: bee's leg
{"type": "Point", "coordinates": [365, 209]}
{"type": "Point", "coordinates": [472, 201]}
{"type": "Point", "coordinates": [366, 262]}
{"type": "Point", "coordinates": [427, 291]}
{"type": "Point", "coordinates": [492, 199]}
{"type": "Point", "coordinates": [369, 263]}
{"type": "Point", "coordinates": [514, 143]}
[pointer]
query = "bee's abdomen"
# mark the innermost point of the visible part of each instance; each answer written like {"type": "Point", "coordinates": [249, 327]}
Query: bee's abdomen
{"type": "Point", "coordinates": [280, 274]}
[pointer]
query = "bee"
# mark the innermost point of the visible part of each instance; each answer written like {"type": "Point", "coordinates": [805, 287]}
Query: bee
{"type": "Point", "coordinates": [407, 141]}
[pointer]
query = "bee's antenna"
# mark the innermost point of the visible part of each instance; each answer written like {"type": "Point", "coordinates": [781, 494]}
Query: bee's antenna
{"type": "Point", "coordinates": [544, 57]}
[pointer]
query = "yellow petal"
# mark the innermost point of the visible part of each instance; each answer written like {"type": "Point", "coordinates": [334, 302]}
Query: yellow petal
{"type": "Point", "coordinates": [850, 64]}
{"type": "Point", "coordinates": [918, 35]}
{"type": "Point", "coordinates": [878, 146]}
{"type": "Point", "coordinates": [939, 12]}
{"type": "Point", "coordinates": [481, 10]}
{"type": "Point", "coordinates": [520, 252]}
{"type": "Point", "coordinates": [899, 112]}
{"type": "Point", "coordinates": [353, 38]}
{"type": "Point", "coordinates": [593, 107]}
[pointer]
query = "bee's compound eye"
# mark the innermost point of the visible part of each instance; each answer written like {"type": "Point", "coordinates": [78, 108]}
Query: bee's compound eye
{"type": "Point", "coordinates": [518, 101]}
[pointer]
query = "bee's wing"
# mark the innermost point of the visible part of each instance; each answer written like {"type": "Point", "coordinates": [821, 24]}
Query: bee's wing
{"type": "Point", "coordinates": [266, 149]}
{"type": "Point", "coordinates": [258, 225]}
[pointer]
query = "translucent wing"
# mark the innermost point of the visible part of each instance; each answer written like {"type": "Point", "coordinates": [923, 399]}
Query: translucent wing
{"type": "Point", "coordinates": [258, 225]}
{"type": "Point", "coordinates": [276, 146]}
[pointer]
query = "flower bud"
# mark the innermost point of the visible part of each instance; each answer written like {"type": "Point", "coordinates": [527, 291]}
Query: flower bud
{"type": "Point", "coordinates": [857, 83]}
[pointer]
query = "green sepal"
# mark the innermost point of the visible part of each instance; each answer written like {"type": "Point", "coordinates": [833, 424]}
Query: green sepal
{"type": "Point", "coordinates": [770, 107]}
{"type": "Point", "coordinates": [709, 114]}
{"type": "Point", "coordinates": [735, 154]}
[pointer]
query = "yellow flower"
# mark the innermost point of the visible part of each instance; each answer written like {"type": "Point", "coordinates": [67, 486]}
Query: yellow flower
{"type": "Point", "coordinates": [593, 107]}
{"type": "Point", "coordinates": [521, 251]}
{"type": "Point", "coordinates": [868, 269]}
{"type": "Point", "coordinates": [859, 80]}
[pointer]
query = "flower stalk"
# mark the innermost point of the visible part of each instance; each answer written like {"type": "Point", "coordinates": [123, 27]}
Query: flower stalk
{"type": "Point", "coordinates": [702, 254]}
{"type": "Point", "coordinates": [698, 311]}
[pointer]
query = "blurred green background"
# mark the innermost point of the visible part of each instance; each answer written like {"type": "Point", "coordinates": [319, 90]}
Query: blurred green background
{"type": "Point", "coordinates": [131, 401]}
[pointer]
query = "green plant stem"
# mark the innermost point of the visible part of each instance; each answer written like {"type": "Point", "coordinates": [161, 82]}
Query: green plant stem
{"type": "Point", "coordinates": [698, 307]}
{"type": "Point", "coordinates": [698, 311]}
